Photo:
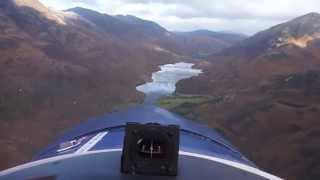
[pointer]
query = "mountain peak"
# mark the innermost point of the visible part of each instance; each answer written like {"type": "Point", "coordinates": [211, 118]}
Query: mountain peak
{"type": "Point", "coordinates": [120, 24]}
{"type": "Point", "coordinates": [299, 31]}
{"type": "Point", "coordinates": [80, 10]}
{"type": "Point", "coordinates": [35, 6]}
{"type": "Point", "coordinates": [311, 15]}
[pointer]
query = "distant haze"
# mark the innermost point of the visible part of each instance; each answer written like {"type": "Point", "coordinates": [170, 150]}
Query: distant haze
{"type": "Point", "coordinates": [242, 16]}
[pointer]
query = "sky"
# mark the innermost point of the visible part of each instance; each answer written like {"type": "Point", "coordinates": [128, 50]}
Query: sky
{"type": "Point", "coordinates": [239, 16]}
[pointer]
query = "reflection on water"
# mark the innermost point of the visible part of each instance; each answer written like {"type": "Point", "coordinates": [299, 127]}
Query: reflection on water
{"type": "Point", "coordinates": [164, 81]}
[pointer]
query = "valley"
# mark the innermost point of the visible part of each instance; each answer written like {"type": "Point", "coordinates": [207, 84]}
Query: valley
{"type": "Point", "coordinates": [60, 68]}
{"type": "Point", "coordinates": [269, 98]}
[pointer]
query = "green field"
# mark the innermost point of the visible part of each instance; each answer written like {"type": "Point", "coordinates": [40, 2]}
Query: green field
{"type": "Point", "coordinates": [185, 105]}
{"type": "Point", "coordinates": [174, 101]}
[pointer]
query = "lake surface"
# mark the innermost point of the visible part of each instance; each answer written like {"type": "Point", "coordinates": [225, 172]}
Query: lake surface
{"type": "Point", "coordinates": [164, 81]}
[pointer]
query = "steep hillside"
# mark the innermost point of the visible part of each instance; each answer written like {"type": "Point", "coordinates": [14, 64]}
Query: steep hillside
{"type": "Point", "coordinates": [266, 97]}
{"type": "Point", "coordinates": [56, 70]}
{"type": "Point", "coordinates": [297, 33]}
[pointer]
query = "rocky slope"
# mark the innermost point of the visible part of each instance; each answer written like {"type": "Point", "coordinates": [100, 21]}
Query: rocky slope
{"type": "Point", "coordinates": [267, 99]}
{"type": "Point", "coordinates": [56, 70]}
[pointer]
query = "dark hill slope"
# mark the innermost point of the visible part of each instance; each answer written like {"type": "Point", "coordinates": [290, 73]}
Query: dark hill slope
{"type": "Point", "coordinates": [56, 70]}
{"type": "Point", "coordinates": [268, 97]}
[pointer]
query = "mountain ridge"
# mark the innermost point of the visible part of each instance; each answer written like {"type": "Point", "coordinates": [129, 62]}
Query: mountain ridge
{"type": "Point", "coordinates": [267, 93]}
{"type": "Point", "coordinates": [117, 24]}
{"type": "Point", "coordinates": [298, 32]}
{"type": "Point", "coordinates": [56, 75]}
{"type": "Point", "coordinates": [196, 44]}
{"type": "Point", "coordinates": [58, 69]}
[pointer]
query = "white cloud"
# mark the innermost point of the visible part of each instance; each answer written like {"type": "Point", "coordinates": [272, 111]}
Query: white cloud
{"type": "Point", "coordinates": [245, 16]}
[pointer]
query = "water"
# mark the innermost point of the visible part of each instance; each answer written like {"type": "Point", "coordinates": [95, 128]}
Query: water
{"type": "Point", "coordinates": [164, 81]}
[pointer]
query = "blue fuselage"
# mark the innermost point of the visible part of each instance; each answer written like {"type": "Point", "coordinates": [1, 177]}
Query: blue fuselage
{"type": "Point", "coordinates": [93, 150]}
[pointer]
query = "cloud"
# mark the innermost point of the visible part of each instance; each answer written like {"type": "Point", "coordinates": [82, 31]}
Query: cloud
{"type": "Point", "coordinates": [245, 16]}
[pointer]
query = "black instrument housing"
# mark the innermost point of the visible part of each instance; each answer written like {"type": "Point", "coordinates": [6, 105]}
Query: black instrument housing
{"type": "Point", "coordinates": [150, 149]}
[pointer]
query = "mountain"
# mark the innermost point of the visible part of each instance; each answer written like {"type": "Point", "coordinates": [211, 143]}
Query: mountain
{"type": "Point", "coordinates": [264, 96]}
{"type": "Point", "coordinates": [196, 44]}
{"type": "Point", "coordinates": [203, 43]}
{"type": "Point", "coordinates": [297, 33]}
{"type": "Point", "coordinates": [57, 70]}
{"type": "Point", "coordinates": [122, 26]}
{"type": "Point", "coordinates": [273, 52]}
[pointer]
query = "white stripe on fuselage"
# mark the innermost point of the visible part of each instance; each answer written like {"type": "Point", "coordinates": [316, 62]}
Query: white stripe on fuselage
{"type": "Point", "coordinates": [91, 143]}
{"type": "Point", "coordinates": [237, 165]}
